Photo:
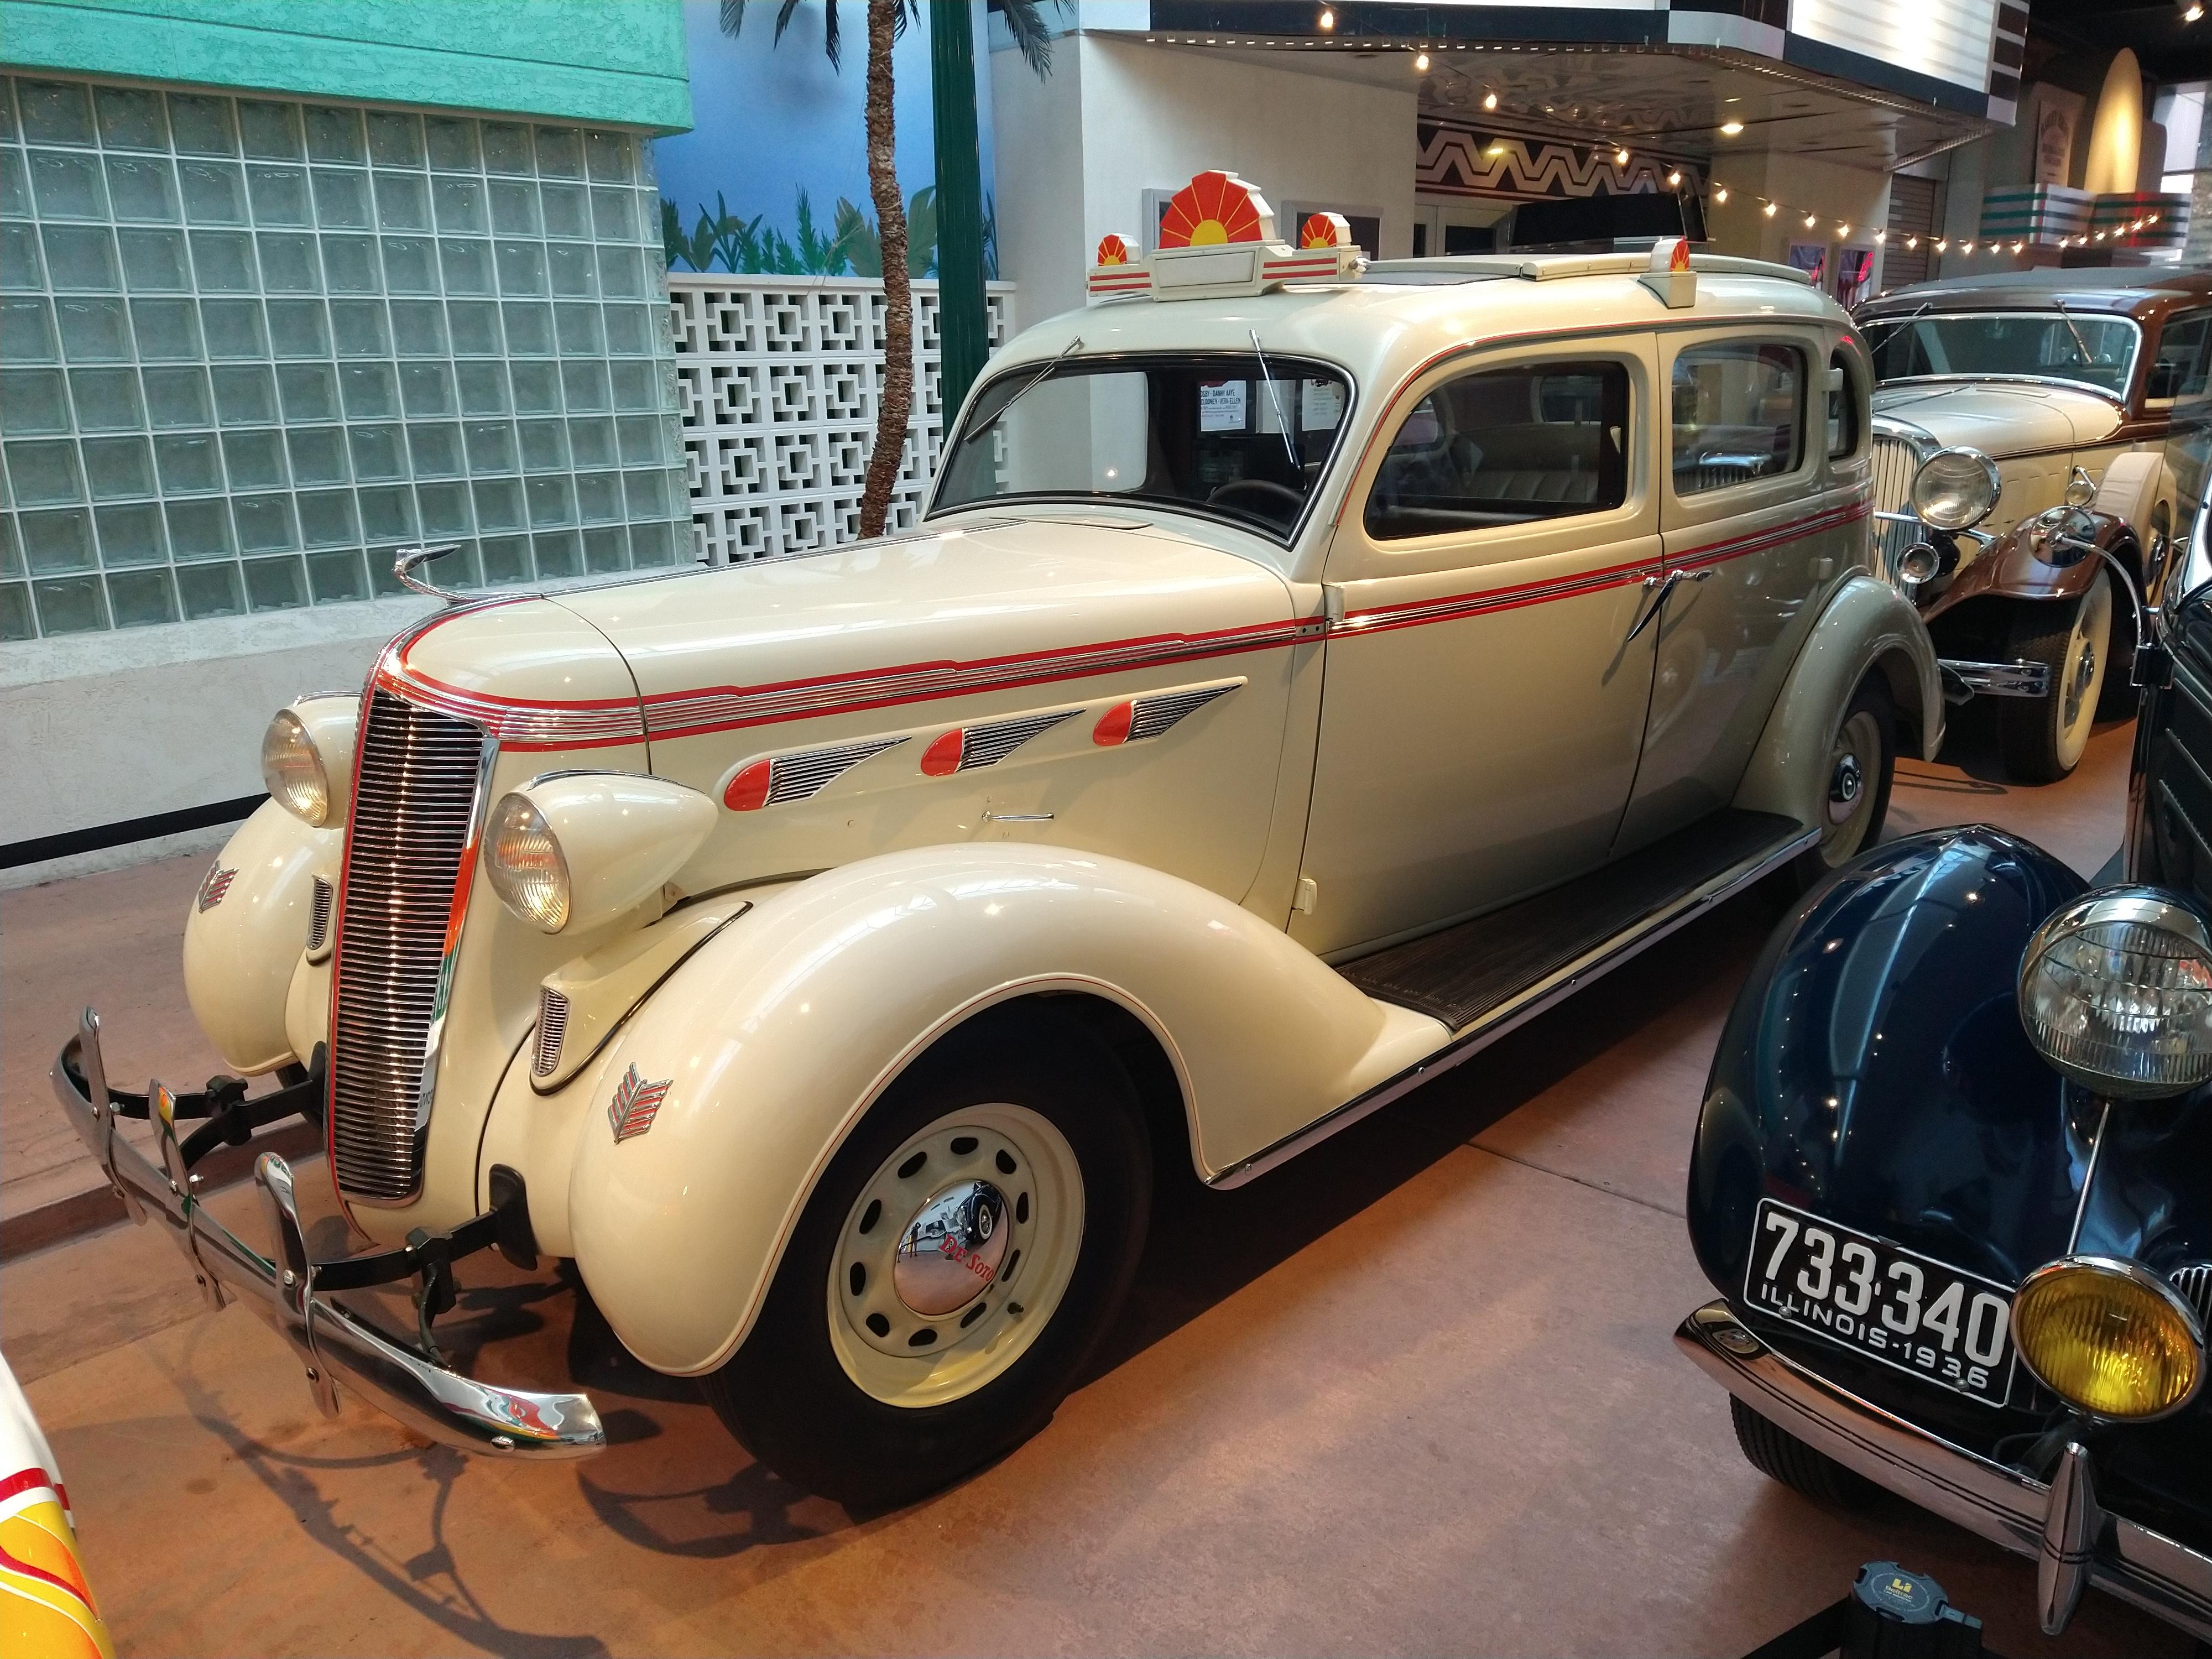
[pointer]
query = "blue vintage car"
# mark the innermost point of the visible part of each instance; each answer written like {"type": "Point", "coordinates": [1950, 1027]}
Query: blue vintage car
{"type": "Point", "coordinates": [1953, 1178]}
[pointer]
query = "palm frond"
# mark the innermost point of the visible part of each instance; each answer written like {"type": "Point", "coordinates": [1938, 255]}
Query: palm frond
{"type": "Point", "coordinates": [734, 17]}
{"type": "Point", "coordinates": [1032, 35]}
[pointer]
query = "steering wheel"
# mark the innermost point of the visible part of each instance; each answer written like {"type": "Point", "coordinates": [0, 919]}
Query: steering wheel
{"type": "Point", "coordinates": [1266, 485]}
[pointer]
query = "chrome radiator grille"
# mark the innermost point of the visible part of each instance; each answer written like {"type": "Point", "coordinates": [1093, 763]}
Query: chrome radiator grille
{"type": "Point", "coordinates": [1894, 463]}
{"type": "Point", "coordinates": [414, 806]}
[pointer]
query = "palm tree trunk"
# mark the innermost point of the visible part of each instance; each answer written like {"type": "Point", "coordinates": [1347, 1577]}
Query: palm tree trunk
{"type": "Point", "coordinates": [897, 405]}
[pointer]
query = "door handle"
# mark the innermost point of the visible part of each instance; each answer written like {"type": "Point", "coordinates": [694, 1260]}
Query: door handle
{"type": "Point", "coordinates": [1660, 587]}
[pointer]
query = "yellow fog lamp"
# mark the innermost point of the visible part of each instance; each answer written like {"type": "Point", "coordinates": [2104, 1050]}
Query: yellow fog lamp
{"type": "Point", "coordinates": [306, 758]}
{"type": "Point", "coordinates": [577, 849]}
{"type": "Point", "coordinates": [2109, 1337]}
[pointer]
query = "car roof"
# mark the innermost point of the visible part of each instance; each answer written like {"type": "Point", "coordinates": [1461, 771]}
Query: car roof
{"type": "Point", "coordinates": [1406, 312]}
{"type": "Point", "coordinates": [2132, 289]}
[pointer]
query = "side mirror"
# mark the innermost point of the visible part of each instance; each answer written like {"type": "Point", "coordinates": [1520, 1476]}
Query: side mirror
{"type": "Point", "coordinates": [2164, 380]}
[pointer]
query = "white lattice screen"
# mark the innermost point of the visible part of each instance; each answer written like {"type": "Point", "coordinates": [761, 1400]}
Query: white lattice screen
{"type": "Point", "coordinates": [778, 380]}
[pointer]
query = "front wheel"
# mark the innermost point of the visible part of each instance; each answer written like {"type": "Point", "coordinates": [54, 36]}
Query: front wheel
{"type": "Point", "coordinates": [2043, 739]}
{"type": "Point", "coordinates": [1780, 1455]}
{"type": "Point", "coordinates": [956, 1263]}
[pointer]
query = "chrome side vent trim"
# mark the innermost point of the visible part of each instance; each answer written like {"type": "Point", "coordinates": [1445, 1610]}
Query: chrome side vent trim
{"type": "Point", "coordinates": [1153, 715]}
{"type": "Point", "coordinates": [319, 916]}
{"type": "Point", "coordinates": [802, 777]}
{"type": "Point", "coordinates": [552, 1029]}
{"type": "Point", "coordinates": [418, 802]}
{"type": "Point", "coordinates": [987, 746]}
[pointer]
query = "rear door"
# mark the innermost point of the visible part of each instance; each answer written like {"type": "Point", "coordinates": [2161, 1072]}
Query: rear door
{"type": "Point", "coordinates": [1483, 703]}
{"type": "Point", "coordinates": [1757, 518]}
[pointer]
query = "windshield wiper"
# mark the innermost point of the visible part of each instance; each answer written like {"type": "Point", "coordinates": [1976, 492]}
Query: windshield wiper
{"type": "Point", "coordinates": [1028, 386]}
{"type": "Point", "coordinates": [1274, 402]}
{"type": "Point", "coordinates": [2080, 345]}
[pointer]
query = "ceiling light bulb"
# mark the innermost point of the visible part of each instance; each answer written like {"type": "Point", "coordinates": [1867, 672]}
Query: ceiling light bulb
{"type": "Point", "coordinates": [1843, 230]}
{"type": "Point", "coordinates": [1808, 220]}
{"type": "Point", "coordinates": [1674, 180]}
{"type": "Point", "coordinates": [1969, 246]}
{"type": "Point", "coordinates": [1328, 20]}
{"type": "Point", "coordinates": [1421, 62]}
{"type": "Point", "coordinates": [1881, 236]}
{"type": "Point", "coordinates": [1944, 245]}
{"type": "Point", "coordinates": [1498, 147]}
{"type": "Point", "coordinates": [1621, 158]}
{"type": "Point", "coordinates": [1720, 193]}
{"type": "Point", "coordinates": [1489, 100]}
{"type": "Point", "coordinates": [1731, 128]}
{"type": "Point", "coordinates": [1912, 242]}
{"type": "Point", "coordinates": [2016, 246]}
{"type": "Point", "coordinates": [1769, 210]}
{"type": "Point", "coordinates": [2192, 12]}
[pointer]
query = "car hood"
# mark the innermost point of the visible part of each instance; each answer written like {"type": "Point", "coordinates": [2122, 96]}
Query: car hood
{"type": "Point", "coordinates": [2001, 417]}
{"type": "Point", "coordinates": [982, 603]}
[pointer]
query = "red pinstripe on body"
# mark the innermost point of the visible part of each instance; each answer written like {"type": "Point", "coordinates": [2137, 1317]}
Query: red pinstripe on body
{"type": "Point", "coordinates": [533, 724]}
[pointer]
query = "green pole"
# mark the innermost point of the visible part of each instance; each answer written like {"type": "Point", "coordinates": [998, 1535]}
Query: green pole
{"type": "Point", "coordinates": [964, 327]}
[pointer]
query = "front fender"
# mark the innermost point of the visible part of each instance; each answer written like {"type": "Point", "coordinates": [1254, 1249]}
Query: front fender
{"type": "Point", "coordinates": [2013, 567]}
{"type": "Point", "coordinates": [1875, 1070]}
{"type": "Point", "coordinates": [773, 1040]}
{"type": "Point", "coordinates": [1866, 625]}
{"type": "Point", "coordinates": [246, 929]}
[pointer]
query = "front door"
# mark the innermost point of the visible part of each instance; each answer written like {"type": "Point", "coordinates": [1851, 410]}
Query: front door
{"type": "Point", "coordinates": [1756, 516]}
{"type": "Point", "coordinates": [1482, 703]}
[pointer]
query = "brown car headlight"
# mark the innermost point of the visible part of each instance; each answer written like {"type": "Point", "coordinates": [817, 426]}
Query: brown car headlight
{"type": "Point", "coordinates": [523, 858]}
{"type": "Point", "coordinates": [1956, 489]}
{"type": "Point", "coordinates": [2116, 992]}
{"type": "Point", "coordinates": [2109, 1338]}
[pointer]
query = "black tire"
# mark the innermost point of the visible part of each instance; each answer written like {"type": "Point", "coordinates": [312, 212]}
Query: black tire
{"type": "Point", "coordinates": [2038, 743]}
{"type": "Point", "coordinates": [786, 1395]}
{"type": "Point", "coordinates": [1780, 1455]}
{"type": "Point", "coordinates": [1870, 717]}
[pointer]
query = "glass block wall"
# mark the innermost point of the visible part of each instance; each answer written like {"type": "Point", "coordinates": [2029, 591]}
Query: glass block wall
{"type": "Point", "coordinates": [249, 348]}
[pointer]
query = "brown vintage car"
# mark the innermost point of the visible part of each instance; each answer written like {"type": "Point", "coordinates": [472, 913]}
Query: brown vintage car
{"type": "Point", "coordinates": [2024, 485]}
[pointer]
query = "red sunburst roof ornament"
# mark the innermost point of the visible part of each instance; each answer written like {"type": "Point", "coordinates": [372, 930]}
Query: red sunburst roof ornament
{"type": "Point", "coordinates": [1215, 208]}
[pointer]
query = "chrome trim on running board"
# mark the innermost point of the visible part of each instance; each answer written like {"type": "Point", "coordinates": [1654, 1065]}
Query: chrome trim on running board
{"type": "Point", "coordinates": [1525, 1004]}
{"type": "Point", "coordinates": [1993, 679]}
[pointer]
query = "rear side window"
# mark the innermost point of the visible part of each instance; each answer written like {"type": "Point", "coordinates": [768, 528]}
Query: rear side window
{"type": "Point", "coordinates": [1842, 409]}
{"type": "Point", "coordinates": [1738, 412]}
{"type": "Point", "coordinates": [2183, 356]}
{"type": "Point", "coordinates": [1506, 446]}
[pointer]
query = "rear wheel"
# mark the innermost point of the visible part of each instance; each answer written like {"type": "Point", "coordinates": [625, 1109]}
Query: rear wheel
{"type": "Point", "coordinates": [956, 1263]}
{"type": "Point", "coordinates": [1780, 1455]}
{"type": "Point", "coordinates": [2043, 739]}
{"type": "Point", "coordinates": [1855, 794]}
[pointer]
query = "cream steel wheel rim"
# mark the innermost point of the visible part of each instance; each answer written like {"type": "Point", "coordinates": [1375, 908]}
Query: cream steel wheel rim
{"type": "Point", "coordinates": [955, 1255]}
{"type": "Point", "coordinates": [2080, 680]}
{"type": "Point", "coordinates": [1854, 779]}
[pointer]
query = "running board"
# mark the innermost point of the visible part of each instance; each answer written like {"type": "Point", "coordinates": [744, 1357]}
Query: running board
{"type": "Point", "coordinates": [1784, 840]}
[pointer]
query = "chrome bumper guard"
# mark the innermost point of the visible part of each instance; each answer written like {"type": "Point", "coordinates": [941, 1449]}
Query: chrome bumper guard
{"type": "Point", "coordinates": [1962, 680]}
{"type": "Point", "coordinates": [2073, 1541]}
{"type": "Point", "coordinates": [330, 1341]}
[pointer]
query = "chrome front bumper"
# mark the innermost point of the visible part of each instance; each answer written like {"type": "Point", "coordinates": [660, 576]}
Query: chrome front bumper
{"type": "Point", "coordinates": [1962, 680]}
{"type": "Point", "coordinates": [332, 1341]}
{"type": "Point", "coordinates": [2060, 1526]}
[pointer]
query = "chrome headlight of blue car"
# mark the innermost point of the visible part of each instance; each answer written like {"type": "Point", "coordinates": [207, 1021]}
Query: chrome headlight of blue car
{"type": "Point", "coordinates": [2116, 992]}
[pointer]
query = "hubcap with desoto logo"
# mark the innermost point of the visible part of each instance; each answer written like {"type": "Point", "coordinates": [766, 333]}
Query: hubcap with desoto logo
{"type": "Point", "coordinates": [955, 1254]}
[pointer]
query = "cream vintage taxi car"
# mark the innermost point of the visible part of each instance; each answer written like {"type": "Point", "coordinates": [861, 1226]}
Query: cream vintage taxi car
{"type": "Point", "coordinates": [1304, 673]}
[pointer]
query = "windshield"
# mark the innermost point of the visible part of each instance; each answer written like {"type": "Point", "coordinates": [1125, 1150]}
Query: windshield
{"type": "Point", "coordinates": [1236, 437]}
{"type": "Point", "coordinates": [2036, 343]}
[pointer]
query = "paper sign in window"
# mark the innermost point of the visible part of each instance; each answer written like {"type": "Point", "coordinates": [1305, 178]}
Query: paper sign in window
{"type": "Point", "coordinates": [1221, 406]}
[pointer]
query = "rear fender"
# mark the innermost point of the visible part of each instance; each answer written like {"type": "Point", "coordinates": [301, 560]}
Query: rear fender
{"type": "Point", "coordinates": [1875, 1070]}
{"type": "Point", "coordinates": [1867, 627]}
{"type": "Point", "coordinates": [754, 1059]}
{"type": "Point", "coordinates": [246, 931]}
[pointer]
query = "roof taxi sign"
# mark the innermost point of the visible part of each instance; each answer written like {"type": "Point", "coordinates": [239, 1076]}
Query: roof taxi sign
{"type": "Point", "coordinates": [1217, 240]}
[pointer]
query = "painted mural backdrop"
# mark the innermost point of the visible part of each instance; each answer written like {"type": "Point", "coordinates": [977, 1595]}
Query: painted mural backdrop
{"type": "Point", "coordinates": [773, 177]}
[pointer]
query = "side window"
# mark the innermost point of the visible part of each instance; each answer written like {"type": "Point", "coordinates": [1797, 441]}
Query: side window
{"type": "Point", "coordinates": [1738, 410]}
{"type": "Point", "coordinates": [2183, 356]}
{"type": "Point", "coordinates": [1842, 409]}
{"type": "Point", "coordinates": [1505, 446]}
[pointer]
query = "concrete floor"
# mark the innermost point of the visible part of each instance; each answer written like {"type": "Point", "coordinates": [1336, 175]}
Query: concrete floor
{"type": "Point", "coordinates": [1417, 1395]}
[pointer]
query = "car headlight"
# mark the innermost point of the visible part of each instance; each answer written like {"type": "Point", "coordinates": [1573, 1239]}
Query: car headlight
{"type": "Point", "coordinates": [2108, 1337]}
{"type": "Point", "coordinates": [2116, 992]}
{"type": "Point", "coordinates": [1956, 489]}
{"type": "Point", "coordinates": [307, 759]}
{"type": "Point", "coordinates": [580, 849]}
{"type": "Point", "coordinates": [523, 858]}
